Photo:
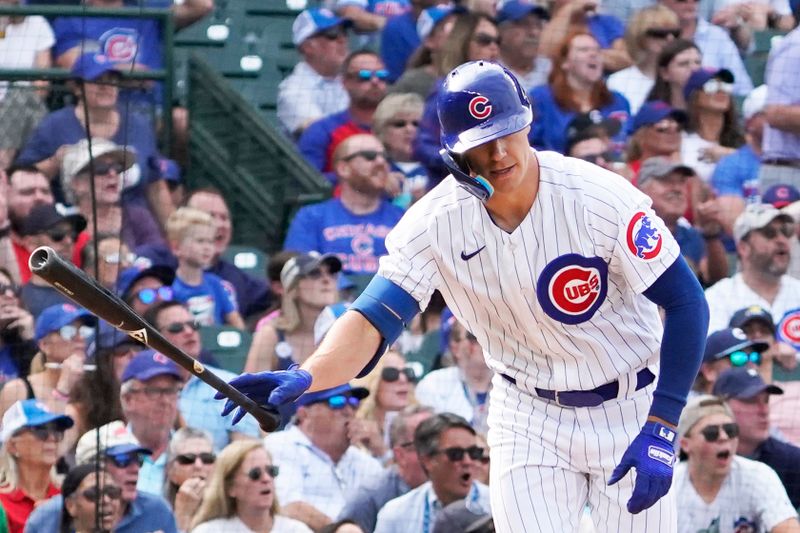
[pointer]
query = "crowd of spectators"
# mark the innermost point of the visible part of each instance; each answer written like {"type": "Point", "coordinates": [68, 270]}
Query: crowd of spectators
{"type": "Point", "coordinates": [100, 432]}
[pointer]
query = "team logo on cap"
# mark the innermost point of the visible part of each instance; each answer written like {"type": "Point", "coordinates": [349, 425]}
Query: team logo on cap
{"type": "Point", "coordinates": [644, 239]}
{"type": "Point", "coordinates": [160, 358]}
{"type": "Point", "coordinates": [571, 288]}
{"type": "Point", "coordinates": [789, 328]}
{"type": "Point", "coordinates": [120, 45]}
{"type": "Point", "coordinates": [479, 107]}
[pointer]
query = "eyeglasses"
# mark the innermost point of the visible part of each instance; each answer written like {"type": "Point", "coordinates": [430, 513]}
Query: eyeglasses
{"type": "Point", "coordinates": [68, 332]}
{"type": "Point", "coordinates": [770, 232]}
{"type": "Point", "coordinates": [9, 287]}
{"type": "Point", "coordinates": [456, 454]}
{"type": "Point", "coordinates": [391, 374]}
{"type": "Point", "coordinates": [92, 494]}
{"type": "Point", "coordinates": [45, 432]}
{"type": "Point", "coordinates": [179, 327]}
{"type": "Point", "coordinates": [148, 296]}
{"type": "Point", "coordinates": [117, 258]}
{"type": "Point", "coordinates": [740, 358]}
{"type": "Point", "coordinates": [594, 158]}
{"type": "Point", "coordinates": [663, 33]}
{"type": "Point", "coordinates": [207, 458]}
{"type": "Point", "coordinates": [124, 460]}
{"type": "Point", "coordinates": [340, 401]}
{"type": "Point", "coordinates": [369, 155]}
{"type": "Point", "coordinates": [713, 86]}
{"type": "Point", "coordinates": [58, 235]}
{"type": "Point", "coordinates": [484, 39]}
{"type": "Point", "coordinates": [154, 392]}
{"type": "Point", "coordinates": [366, 74]}
{"type": "Point", "coordinates": [331, 33]}
{"type": "Point", "coordinates": [256, 472]}
{"type": "Point", "coordinates": [711, 433]}
{"type": "Point", "coordinates": [399, 123]}
{"type": "Point", "coordinates": [102, 168]}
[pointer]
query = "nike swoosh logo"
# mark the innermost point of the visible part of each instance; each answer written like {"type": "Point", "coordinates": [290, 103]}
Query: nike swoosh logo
{"type": "Point", "coordinates": [467, 257]}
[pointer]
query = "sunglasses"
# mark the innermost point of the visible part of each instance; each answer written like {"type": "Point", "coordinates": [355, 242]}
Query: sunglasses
{"type": "Point", "coordinates": [484, 39]}
{"type": "Point", "coordinates": [663, 33]}
{"type": "Point", "coordinates": [179, 327]}
{"type": "Point", "coordinates": [92, 494]}
{"type": "Point", "coordinates": [715, 86]}
{"type": "Point", "coordinates": [670, 128]}
{"type": "Point", "coordinates": [399, 123]}
{"type": "Point", "coordinates": [391, 374]}
{"type": "Point", "coordinates": [340, 401]}
{"type": "Point", "coordinates": [207, 458]}
{"type": "Point", "coordinates": [58, 235]}
{"type": "Point", "coordinates": [456, 454]}
{"type": "Point", "coordinates": [101, 168]}
{"type": "Point", "coordinates": [124, 460]}
{"type": "Point", "coordinates": [68, 332]}
{"type": "Point", "coordinates": [45, 432]}
{"type": "Point", "coordinates": [711, 433]}
{"type": "Point", "coordinates": [256, 472]}
{"type": "Point", "coordinates": [331, 33]}
{"type": "Point", "coordinates": [154, 392]}
{"type": "Point", "coordinates": [770, 232]}
{"type": "Point", "coordinates": [594, 158]}
{"type": "Point", "coordinates": [148, 296]}
{"type": "Point", "coordinates": [369, 155]}
{"type": "Point", "coordinates": [366, 74]}
{"type": "Point", "coordinates": [117, 258]}
{"type": "Point", "coordinates": [740, 358]}
{"type": "Point", "coordinates": [9, 287]}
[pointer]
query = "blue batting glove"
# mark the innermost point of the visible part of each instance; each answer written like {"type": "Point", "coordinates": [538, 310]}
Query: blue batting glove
{"type": "Point", "coordinates": [270, 389]}
{"type": "Point", "coordinates": [652, 454]}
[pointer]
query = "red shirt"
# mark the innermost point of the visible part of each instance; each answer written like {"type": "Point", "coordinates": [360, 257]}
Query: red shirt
{"type": "Point", "coordinates": [23, 255]}
{"type": "Point", "coordinates": [19, 506]}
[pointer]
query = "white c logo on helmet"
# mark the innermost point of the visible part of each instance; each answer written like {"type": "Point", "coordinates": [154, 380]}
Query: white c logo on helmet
{"type": "Point", "coordinates": [479, 107]}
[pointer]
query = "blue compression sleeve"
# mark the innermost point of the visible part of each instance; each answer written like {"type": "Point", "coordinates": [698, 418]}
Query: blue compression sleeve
{"type": "Point", "coordinates": [685, 327]}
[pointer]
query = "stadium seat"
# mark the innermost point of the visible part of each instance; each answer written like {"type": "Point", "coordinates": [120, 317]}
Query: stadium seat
{"type": "Point", "coordinates": [249, 259]}
{"type": "Point", "coordinates": [228, 345]}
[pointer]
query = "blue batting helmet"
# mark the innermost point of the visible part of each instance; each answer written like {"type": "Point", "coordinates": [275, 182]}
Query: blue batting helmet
{"type": "Point", "coordinates": [479, 102]}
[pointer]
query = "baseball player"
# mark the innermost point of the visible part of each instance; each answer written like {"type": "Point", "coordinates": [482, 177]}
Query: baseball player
{"type": "Point", "coordinates": [557, 267]}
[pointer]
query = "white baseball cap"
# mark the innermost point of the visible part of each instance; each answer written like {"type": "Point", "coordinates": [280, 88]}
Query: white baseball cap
{"type": "Point", "coordinates": [756, 216]}
{"type": "Point", "coordinates": [312, 21]}
{"type": "Point", "coordinates": [114, 438]}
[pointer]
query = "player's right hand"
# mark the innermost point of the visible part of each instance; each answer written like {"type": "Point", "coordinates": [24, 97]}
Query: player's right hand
{"type": "Point", "coordinates": [270, 389]}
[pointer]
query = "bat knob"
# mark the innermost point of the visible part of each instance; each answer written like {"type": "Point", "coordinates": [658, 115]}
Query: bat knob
{"type": "Point", "coordinates": [268, 419]}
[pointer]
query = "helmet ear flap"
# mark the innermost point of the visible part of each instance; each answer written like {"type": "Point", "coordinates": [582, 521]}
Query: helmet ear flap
{"type": "Point", "coordinates": [458, 167]}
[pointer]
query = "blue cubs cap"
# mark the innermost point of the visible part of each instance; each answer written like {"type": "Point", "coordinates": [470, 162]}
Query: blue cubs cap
{"type": "Point", "coordinates": [724, 342]}
{"type": "Point", "coordinates": [515, 10]}
{"type": "Point", "coordinates": [110, 337]}
{"type": "Point", "coordinates": [56, 317]}
{"type": "Point", "coordinates": [323, 395]}
{"type": "Point", "coordinates": [92, 65]}
{"type": "Point", "coordinates": [314, 20]}
{"type": "Point", "coordinates": [30, 414]}
{"type": "Point", "coordinates": [780, 195]}
{"type": "Point", "coordinates": [741, 384]}
{"type": "Point", "coordinates": [699, 77]}
{"type": "Point", "coordinates": [149, 364]}
{"type": "Point", "coordinates": [429, 18]}
{"type": "Point", "coordinates": [652, 112]}
{"type": "Point", "coordinates": [742, 317]}
{"type": "Point", "coordinates": [129, 276]}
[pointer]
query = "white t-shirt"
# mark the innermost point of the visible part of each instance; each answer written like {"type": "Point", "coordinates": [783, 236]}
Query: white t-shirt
{"type": "Point", "coordinates": [632, 84]}
{"type": "Point", "coordinates": [731, 294]}
{"type": "Point", "coordinates": [751, 499]}
{"type": "Point", "coordinates": [691, 146]}
{"type": "Point", "coordinates": [281, 524]}
{"type": "Point", "coordinates": [22, 42]}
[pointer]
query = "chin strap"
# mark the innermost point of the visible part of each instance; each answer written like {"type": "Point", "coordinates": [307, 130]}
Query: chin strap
{"type": "Point", "coordinates": [477, 186]}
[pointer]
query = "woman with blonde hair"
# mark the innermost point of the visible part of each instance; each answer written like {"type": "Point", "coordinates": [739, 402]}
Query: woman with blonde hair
{"type": "Point", "coordinates": [240, 495]}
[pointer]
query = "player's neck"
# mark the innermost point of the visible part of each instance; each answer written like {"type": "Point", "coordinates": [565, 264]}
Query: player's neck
{"type": "Point", "coordinates": [706, 484]}
{"type": "Point", "coordinates": [509, 209]}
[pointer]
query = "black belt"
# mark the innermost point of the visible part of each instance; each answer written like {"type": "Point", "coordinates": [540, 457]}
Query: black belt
{"type": "Point", "coordinates": [589, 398]}
{"type": "Point", "coordinates": [782, 162]}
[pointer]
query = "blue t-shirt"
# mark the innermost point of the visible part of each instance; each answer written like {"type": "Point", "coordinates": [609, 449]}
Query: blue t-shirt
{"type": "Point", "coordinates": [399, 39]}
{"type": "Point", "coordinates": [606, 29]}
{"type": "Point", "coordinates": [691, 243]}
{"type": "Point", "coordinates": [550, 122]}
{"type": "Point", "coordinates": [736, 174]}
{"type": "Point", "coordinates": [8, 367]}
{"type": "Point", "coordinates": [329, 227]}
{"type": "Point", "coordinates": [208, 302]}
{"type": "Point", "coordinates": [62, 127]}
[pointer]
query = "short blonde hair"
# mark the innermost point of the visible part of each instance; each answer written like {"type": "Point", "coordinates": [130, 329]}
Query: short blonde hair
{"type": "Point", "coordinates": [657, 16]}
{"type": "Point", "coordinates": [182, 220]}
{"type": "Point", "coordinates": [372, 382]}
{"type": "Point", "coordinates": [391, 106]}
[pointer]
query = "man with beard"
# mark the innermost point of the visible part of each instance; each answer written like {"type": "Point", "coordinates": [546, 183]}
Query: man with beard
{"type": "Point", "coordinates": [353, 226]}
{"type": "Point", "coordinates": [364, 78]}
{"type": "Point", "coordinates": [762, 235]}
{"type": "Point", "coordinates": [319, 466]}
{"type": "Point", "coordinates": [520, 25]}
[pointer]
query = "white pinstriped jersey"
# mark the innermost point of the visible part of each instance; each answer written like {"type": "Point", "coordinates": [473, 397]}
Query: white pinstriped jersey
{"type": "Point", "coordinates": [556, 303]}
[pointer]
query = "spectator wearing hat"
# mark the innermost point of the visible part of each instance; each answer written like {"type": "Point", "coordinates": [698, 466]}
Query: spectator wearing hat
{"type": "Point", "coordinates": [749, 400]}
{"type": "Point", "coordinates": [655, 132]}
{"type": "Point", "coordinates": [17, 346]}
{"type": "Point", "coordinates": [520, 25]}
{"type": "Point", "coordinates": [109, 164]}
{"type": "Point", "coordinates": [89, 497]}
{"type": "Point", "coordinates": [364, 79]}
{"type": "Point", "coordinates": [24, 187]}
{"type": "Point", "coordinates": [142, 286]}
{"type": "Point", "coordinates": [712, 130]}
{"type": "Point", "coordinates": [97, 92]}
{"type": "Point", "coordinates": [121, 456]}
{"type": "Point", "coordinates": [762, 235]}
{"type": "Point", "coordinates": [319, 442]}
{"type": "Point", "coordinates": [353, 226]}
{"type": "Point", "coordinates": [666, 185]}
{"type": "Point", "coordinates": [48, 225]}
{"type": "Point", "coordinates": [780, 160]}
{"type": "Point", "coordinates": [758, 324]}
{"type": "Point", "coordinates": [400, 36]}
{"type": "Point", "coordinates": [715, 488]}
{"type": "Point", "coordinates": [449, 453]}
{"type": "Point", "coordinates": [725, 349]}
{"type": "Point", "coordinates": [31, 435]}
{"type": "Point", "coordinates": [314, 88]}
{"type": "Point", "coordinates": [61, 333]}
{"type": "Point", "coordinates": [589, 138]}
{"type": "Point", "coordinates": [716, 46]}
{"type": "Point", "coordinates": [646, 34]}
{"type": "Point", "coordinates": [196, 402]}
{"type": "Point", "coordinates": [151, 384]}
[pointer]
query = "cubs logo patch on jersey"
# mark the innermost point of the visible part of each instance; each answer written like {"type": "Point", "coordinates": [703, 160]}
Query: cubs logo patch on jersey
{"type": "Point", "coordinates": [788, 329]}
{"type": "Point", "coordinates": [572, 287]}
{"type": "Point", "coordinates": [643, 238]}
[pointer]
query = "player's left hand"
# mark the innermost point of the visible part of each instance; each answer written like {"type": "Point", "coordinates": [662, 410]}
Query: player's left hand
{"type": "Point", "coordinates": [652, 454]}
